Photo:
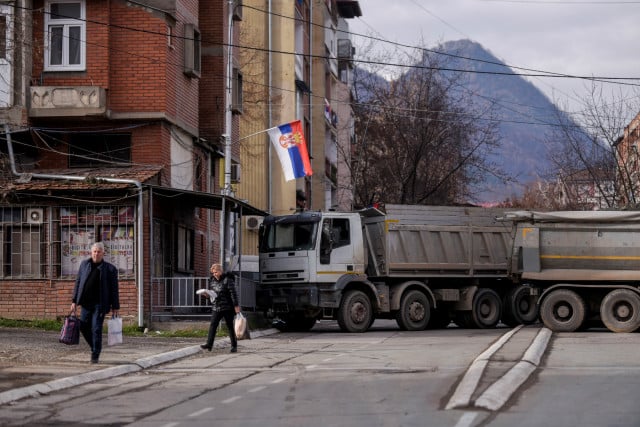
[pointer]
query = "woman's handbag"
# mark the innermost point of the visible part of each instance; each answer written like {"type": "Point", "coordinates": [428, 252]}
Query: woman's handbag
{"type": "Point", "coordinates": [70, 332]}
{"type": "Point", "coordinates": [114, 330]}
{"type": "Point", "coordinates": [240, 327]}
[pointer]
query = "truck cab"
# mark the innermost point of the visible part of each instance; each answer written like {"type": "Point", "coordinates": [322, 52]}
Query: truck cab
{"type": "Point", "coordinates": [306, 259]}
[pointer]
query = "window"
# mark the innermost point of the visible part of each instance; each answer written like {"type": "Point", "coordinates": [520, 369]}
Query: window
{"type": "Point", "coordinates": [99, 149]}
{"type": "Point", "coordinates": [185, 248]}
{"type": "Point", "coordinates": [81, 226]}
{"type": "Point", "coordinates": [191, 50]}
{"type": "Point", "coordinates": [236, 102]}
{"type": "Point", "coordinates": [65, 32]}
{"type": "Point", "coordinates": [3, 36]}
{"type": "Point", "coordinates": [21, 248]}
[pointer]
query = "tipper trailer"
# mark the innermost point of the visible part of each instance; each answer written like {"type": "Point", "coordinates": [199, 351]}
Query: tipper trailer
{"type": "Point", "coordinates": [584, 265]}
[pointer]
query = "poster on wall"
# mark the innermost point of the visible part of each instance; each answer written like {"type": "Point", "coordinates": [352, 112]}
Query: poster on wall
{"type": "Point", "coordinates": [76, 247]}
{"type": "Point", "coordinates": [119, 247]}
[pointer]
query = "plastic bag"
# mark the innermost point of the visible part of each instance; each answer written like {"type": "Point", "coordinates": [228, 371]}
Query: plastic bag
{"type": "Point", "coordinates": [241, 328]}
{"type": "Point", "coordinates": [114, 328]}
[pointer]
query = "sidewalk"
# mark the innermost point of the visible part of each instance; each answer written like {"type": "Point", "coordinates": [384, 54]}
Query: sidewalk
{"type": "Point", "coordinates": [33, 362]}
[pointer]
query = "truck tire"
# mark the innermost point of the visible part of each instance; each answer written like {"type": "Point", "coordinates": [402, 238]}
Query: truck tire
{"type": "Point", "coordinates": [464, 320]}
{"type": "Point", "coordinates": [563, 310]}
{"type": "Point", "coordinates": [523, 305]}
{"type": "Point", "coordinates": [620, 310]}
{"type": "Point", "coordinates": [414, 311]}
{"type": "Point", "coordinates": [487, 308]}
{"type": "Point", "coordinates": [355, 313]}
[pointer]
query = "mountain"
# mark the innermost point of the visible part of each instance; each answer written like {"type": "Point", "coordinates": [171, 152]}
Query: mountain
{"type": "Point", "coordinates": [525, 114]}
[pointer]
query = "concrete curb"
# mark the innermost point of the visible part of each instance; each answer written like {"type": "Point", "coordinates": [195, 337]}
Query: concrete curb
{"type": "Point", "coordinates": [110, 372]}
{"type": "Point", "coordinates": [462, 396]}
{"type": "Point", "coordinates": [499, 392]}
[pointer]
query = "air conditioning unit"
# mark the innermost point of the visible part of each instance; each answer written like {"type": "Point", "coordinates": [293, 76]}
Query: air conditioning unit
{"type": "Point", "coordinates": [235, 173]}
{"type": "Point", "coordinates": [34, 215]}
{"type": "Point", "coordinates": [253, 222]}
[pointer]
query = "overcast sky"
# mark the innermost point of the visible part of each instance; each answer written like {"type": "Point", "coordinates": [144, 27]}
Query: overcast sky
{"type": "Point", "coordinates": [586, 38]}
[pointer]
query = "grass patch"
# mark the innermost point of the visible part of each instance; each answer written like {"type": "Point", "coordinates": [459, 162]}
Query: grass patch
{"type": "Point", "coordinates": [47, 325]}
{"type": "Point", "coordinates": [127, 330]}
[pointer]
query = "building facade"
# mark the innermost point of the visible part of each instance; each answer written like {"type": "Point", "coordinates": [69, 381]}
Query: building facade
{"type": "Point", "coordinates": [117, 131]}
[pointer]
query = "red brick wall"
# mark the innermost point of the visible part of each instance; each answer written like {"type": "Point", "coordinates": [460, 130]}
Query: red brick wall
{"type": "Point", "coordinates": [52, 299]}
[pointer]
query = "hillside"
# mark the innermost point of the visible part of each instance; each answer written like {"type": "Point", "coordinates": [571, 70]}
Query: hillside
{"type": "Point", "coordinates": [524, 114]}
{"type": "Point", "coordinates": [524, 111]}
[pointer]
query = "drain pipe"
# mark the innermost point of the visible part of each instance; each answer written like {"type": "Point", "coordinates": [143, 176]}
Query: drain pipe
{"type": "Point", "coordinates": [140, 223]}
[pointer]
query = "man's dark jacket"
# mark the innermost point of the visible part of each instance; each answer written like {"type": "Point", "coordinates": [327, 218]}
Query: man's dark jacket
{"type": "Point", "coordinates": [109, 297]}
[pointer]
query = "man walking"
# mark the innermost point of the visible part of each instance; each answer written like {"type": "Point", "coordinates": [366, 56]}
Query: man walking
{"type": "Point", "coordinates": [96, 291]}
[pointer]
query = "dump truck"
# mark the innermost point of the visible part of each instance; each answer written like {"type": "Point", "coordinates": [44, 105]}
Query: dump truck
{"type": "Point", "coordinates": [584, 267]}
{"type": "Point", "coordinates": [423, 266]}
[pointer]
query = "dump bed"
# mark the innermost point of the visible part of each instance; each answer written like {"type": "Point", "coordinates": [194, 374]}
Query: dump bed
{"type": "Point", "coordinates": [432, 241]}
{"type": "Point", "coordinates": [576, 246]}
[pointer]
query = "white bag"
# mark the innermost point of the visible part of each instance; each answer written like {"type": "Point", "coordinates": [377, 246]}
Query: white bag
{"type": "Point", "coordinates": [114, 328]}
{"type": "Point", "coordinates": [240, 327]}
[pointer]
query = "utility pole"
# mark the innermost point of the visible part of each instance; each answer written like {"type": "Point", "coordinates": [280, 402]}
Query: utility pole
{"type": "Point", "coordinates": [225, 218]}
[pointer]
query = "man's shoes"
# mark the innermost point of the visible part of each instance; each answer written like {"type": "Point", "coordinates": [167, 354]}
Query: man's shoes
{"type": "Point", "coordinates": [233, 350]}
{"type": "Point", "coordinates": [205, 347]}
{"type": "Point", "coordinates": [94, 360]}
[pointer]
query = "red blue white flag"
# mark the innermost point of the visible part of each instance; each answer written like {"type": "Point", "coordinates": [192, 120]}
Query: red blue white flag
{"type": "Point", "coordinates": [291, 147]}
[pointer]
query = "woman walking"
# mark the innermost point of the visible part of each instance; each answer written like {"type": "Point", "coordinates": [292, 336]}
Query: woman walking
{"type": "Point", "coordinates": [225, 305]}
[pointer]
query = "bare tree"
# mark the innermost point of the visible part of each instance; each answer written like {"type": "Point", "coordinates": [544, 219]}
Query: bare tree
{"type": "Point", "coordinates": [419, 141]}
{"type": "Point", "coordinates": [586, 144]}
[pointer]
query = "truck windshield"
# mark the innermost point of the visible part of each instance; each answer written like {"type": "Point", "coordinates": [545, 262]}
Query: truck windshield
{"type": "Point", "coordinates": [298, 236]}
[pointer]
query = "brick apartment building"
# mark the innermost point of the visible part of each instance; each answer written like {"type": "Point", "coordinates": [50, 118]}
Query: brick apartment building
{"type": "Point", "coordinates": [114, 131]}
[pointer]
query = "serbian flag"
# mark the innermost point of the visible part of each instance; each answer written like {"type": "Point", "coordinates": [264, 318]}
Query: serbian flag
{"type": "Point", "coordinates": [289, 143]}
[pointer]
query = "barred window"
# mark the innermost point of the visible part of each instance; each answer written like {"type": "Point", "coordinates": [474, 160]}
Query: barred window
{"type": "Point", "coordinates": [81, 226]}
{"type": "Point", "coordinates": [21, 248]}
{"type": "Point", "coordinates": [31, 249]}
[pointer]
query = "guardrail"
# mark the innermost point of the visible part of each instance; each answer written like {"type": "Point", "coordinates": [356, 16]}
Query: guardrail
{"type": "Point", "coordinates": [174, 298]}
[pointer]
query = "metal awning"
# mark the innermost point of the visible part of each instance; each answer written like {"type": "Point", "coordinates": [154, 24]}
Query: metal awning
{"type": "Point", "coordinates": [204, 200]}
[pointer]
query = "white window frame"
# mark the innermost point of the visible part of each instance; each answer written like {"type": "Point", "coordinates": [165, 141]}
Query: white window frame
{"type": "Point", "coordinates": [66, 24]}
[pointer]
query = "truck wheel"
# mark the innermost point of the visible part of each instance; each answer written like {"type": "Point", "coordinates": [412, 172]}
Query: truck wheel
{"type": "Point", "coordinates": [414, 311]}
{"type": "Point", "coordinates": [508, 318]}
{"type": "Point", "coordinates": [563, 310]}
{"type": "Point", "coordinates": [620, 310]}
{"type": "Point", "coordinates": [523, 305]}
{"type": "Point", "coordinates": [464, 319]}
{"type": "Point", "coordinates": [487, 308]}
{"type": "Point", "coordinates": [355, 313]}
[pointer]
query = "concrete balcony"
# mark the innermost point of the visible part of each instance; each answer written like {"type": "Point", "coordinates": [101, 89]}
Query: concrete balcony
{"type": "Point", "coordinates": [67, 101]}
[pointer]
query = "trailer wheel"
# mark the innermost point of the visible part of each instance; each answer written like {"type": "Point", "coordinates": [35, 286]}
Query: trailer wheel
{"type": "Point", "coordinates": [355, 313]}
{"type": "Point", "coordinates": [464, 319]}
{"type": "Point", "coordinates": [620, 310]}
{"type": "Point", "coordinates": [414, 311]}
{"type": "Point", "coordinates": [487, 308]}
{"type": "Point", "coordinates": [563, 310]}
{"type": "Point", "coordinates": [523, 305]}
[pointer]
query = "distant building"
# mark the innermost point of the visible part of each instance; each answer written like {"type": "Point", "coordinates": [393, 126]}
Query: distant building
{"type": "Point", "coordinates": [628, 178]}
